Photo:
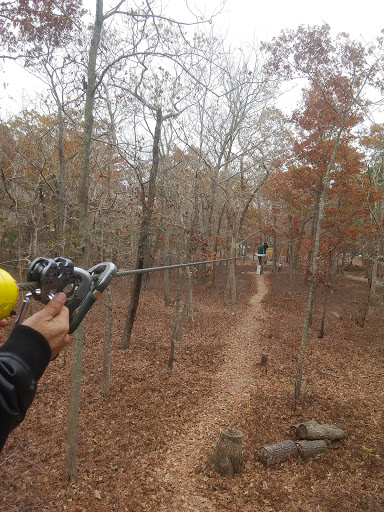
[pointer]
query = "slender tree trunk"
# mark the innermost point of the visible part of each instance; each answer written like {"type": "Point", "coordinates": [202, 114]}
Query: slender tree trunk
{"type": "Point", "coordinates": [142, 253]}
{"type": "Point", "coordinates": [232, 279]}
{"type": "Point", "coordinates": [372, 285]}
{"type": "Point", "coordinates": [175, 321]}
{"type": "Point", "coordinates": [33, 244]}
{"type": "Point", "coordinates": [167, 298]}
{"type": "Point", "coordinates": [314, 221]}
{"type": "Point", "coordinates": [342, 270]}
{"type": "Point", "coordinates": [70, 464]}
{"type": "Point", "coordinates": [19, 250]}
{"type": "Point", "coordinates": [187, 303]}
{"type": "Point", "coordinates": [84, 180]}
{"type": "Point", "coordinates": [329, 284]}
{"type": "Point", "coordinates": [291, 265]}
{"type": "Point", "coordinates": [215, 247]}
{"type": "Point", "coordinates": [62, 195]}
{"type": "Point", "coordinates": [149, 261]}
{"type": "Point", "coordinates": [311, 295]}
{"type": "Point", "coordinates": [322, 325]}
{"type": "Point", "coordinates": [107, 254]}
{"type": "Point", "coordinates": [274, 256]}
{"type": "Point", "coordinates": [212, 201]}
{"type": "Point", "coordinates": [70, 467]}
{"type": "Point", "coordinates": [166, 255]}
{"type": "Point", "coordinates": [105, 384]}
{"type": "Point", "coordinates": [368, 307]}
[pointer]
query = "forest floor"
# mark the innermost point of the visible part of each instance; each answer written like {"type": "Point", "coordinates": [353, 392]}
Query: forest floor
{"type": "Point", "coordinates": [146, 446]}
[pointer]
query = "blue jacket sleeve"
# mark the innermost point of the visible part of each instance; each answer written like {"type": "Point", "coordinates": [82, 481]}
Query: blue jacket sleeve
{"type": "Point", "coordinates": [23, 359]}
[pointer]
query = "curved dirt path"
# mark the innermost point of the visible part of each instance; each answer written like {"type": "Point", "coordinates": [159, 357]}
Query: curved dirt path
{"type": "Point", "coordinates": [235, 382]}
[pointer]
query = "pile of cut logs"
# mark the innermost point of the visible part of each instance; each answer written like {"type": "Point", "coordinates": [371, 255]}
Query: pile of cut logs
{"type": "Point", "coordinates": [311, 438]}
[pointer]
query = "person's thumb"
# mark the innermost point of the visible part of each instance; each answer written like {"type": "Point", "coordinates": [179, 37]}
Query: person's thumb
{"type": "Point", "coordinates": [55, 305]}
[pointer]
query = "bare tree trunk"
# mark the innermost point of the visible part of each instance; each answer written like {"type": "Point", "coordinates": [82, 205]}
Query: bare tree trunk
{"type": "Point", "coordinates": [215, 247]}
{"type": "Point", "coordinates": [33, 245]}
{"type": "Point", "coordinates": [105, 384]}
{"type": "Point", "coordinates": [232, 279]}
{"type": "Point", "coordinates": [62, 200]}
{"type": "Point", "coordinates": [368, 307]}
{"type": "Point", "coordinates": [322, 325]}
{"type": "Point", "coordinates": [142, 252]}
{"type": "Point", "coordinates": [291, 264]}
{"type": "Point", "coordinates": [329, 283]}
{"type": "Point", "coordinates": [109, 219]}
{"type": "Point", "coordinates": [311, 295]}
{"type": "Point", "coordinates": [187, 303]}
{"type": "Point", "coordinates": [227, 287]}
{"type": "Point", "coordinates": [372, 287]}
{"type": "Point", "coordinates": [135, 297]}
{"type": "Point", "coordinates": [19, 251]}
{"type": "Point", "coordinates": [189, 300]}
{"type": "Point", "coordinates": [315, 216]}
{"type": "Point", "coordinates": [274, 256]}
{"type": "Point", "coordinates": [175, 321]}
{"type": "Point", "coordinates": [70, 466]}
{"type": "Point", "coordinates": [167, 299]}
{"type": "Point", "coordinates": [212, 199]}
{"type": "Point", "coordinates": [84, 180]}
{"type": "Point", "coordinates": [342, 269]}
{"type": "Point", "coordinates": [153, 243]}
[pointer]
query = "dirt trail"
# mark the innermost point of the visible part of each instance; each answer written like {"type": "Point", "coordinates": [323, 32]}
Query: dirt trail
{"type": "Point", "coordinates": [235, 382]}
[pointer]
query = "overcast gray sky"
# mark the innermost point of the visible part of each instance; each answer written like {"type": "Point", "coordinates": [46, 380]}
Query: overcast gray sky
{"type": "Point", "coordinates": [244, 21]}
{"type": "Point", "coordinates": [265, 19]}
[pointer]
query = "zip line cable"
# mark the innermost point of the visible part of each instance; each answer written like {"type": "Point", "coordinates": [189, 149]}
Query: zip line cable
{"type": "Point", "coordinates": [167, 267]}
{"type": "Point", "coordinates": [33, 285]}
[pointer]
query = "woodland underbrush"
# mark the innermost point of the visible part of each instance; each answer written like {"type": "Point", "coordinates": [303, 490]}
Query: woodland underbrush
{"type": "Point", "coordinates": [125, 436]}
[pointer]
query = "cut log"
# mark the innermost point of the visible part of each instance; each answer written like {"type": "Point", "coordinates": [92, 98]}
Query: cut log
{"type": "Point", "coordinates": [317, 431]}
{"type": "Point", "coordinates": [275, 453]}
{"type": "Point", "coordinates": [309, 449]}
{"type": "Point", "coordinates": [228, 456]}
{"type": "Point", "coordinates": [294, 428]}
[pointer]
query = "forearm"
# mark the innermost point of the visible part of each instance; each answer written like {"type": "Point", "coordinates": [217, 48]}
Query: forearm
{"type": "Point", "coordinates": [23, 359]}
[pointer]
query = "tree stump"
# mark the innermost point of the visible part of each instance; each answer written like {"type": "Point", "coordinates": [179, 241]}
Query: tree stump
{"type": "Point", "coordinates": [309, 449]}
{"type": "Point", "coordinates": [311, 431]}
{"type": "Point", "coordinates": [228, 456]}
{"type": "Point", "coordinates": [264, 361]}
{"type": "Point", "coordinates": [275, 453]}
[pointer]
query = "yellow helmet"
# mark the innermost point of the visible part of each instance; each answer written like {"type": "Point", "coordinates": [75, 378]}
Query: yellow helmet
{"type": "Point", "coordinates": [8, 293]}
